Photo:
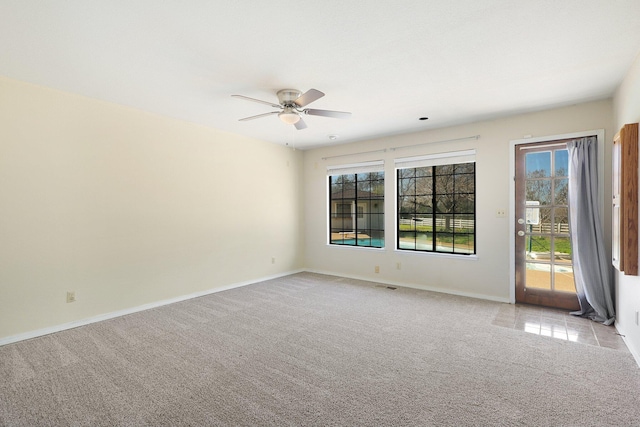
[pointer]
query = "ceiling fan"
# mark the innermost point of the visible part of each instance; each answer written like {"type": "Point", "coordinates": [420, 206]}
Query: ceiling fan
{"type": "Point", "coordinates": [291, 106]}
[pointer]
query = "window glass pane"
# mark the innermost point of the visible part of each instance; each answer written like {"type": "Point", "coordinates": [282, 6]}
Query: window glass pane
{"type": "Point", "coordinates": [423, 204]}
{"type": "Point", "coordinates": [463, 243]}
{"type": "Point", "coordinates": [376, 176]}
{"type": "Point", "coordinates": [348, 186]}
{"type": "Point", "coordinates": [471, 244]}
{"type": "Point", "coordinates": [423, 186]}
{"type": "Point", "coordinates": [364, 189]}
{"type": "Point", "coordinates": [377, 188]}
{"type": "Point", "coordinates": [406, 240]}
{"type": "Point", "coordinates": [562, 250]}
{"type": "Point", "coordinates": [464, 224]}
{"type": "Point", "coordinates": [445, 203]}
{"type": "Point", "coordinates": [445, 184]}
{"type": "Point", "coordinates": [538, 276]}
{"type": "Point", "coordinates": [444, 242]}
{"type": "Point", "coordinates": [407, 223]}
{"type": "Point", "coordinates": [364, 240]}
{"type": "Point", "coordinates": [377, 234]}
{"type": "Point", "coordinates": [424, 241]}
{"type": "Point", "coordinates": [444, 169]}
{"type": "Point", "coordinates": [423, 223]}
{"type": "Point", "coordinates": [406, 173]}
{"type": "Point", "coordinates": [563, 278]}
{"type": "Point", "coordinates": [544, 226]}
{"type": "Point", "coordinates": [464, 203]}
{"type": "Point", "coordinates": [424, 172]}
{"type": "Point", "coordinates": [336, 189]}
{"type": "Point", "coordinates": [406, 186]}
{"type": "Point", "coordinates": [562, 163]}
{"type": "Point", "coordinates": [561, 220]}
{"type": "Point", "coordinates": [561, 191]}
{"type": "Point", "coordinates": [539, 190]}
{"type": "Point", "coordinates": [538, 246]}
{"type": "Point", "coordinates": [464, 183]}
{"type": "Point", "coordinates": [444, 222]}
{"type": "Point", "coordinates": [465, 168]}
{"type": "Point", "coordinates": [406, 206]}
{"type": "Point", "coordinates": [343, 209]}
{"type": "Point", "coordinates": [538, 165]}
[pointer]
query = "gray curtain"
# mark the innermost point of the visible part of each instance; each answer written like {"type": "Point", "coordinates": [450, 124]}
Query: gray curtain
{"type": "Point", "coordinates": [591, 267]}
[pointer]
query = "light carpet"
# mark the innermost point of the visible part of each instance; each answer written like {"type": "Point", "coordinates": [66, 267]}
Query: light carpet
{"type": "Point", "coordinates": [311, 349]}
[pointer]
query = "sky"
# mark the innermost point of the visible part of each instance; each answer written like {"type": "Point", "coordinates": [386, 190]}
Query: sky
{"type": "Point", "coordinates": [541, 160]}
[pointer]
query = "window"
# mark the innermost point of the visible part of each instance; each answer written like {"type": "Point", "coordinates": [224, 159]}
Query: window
{"type": "Point", "coordinates": [436, 208]}
{"type": "Point", "coordinates": [343, 210]}
{"type": "Point", "coordinates": [356, 204]}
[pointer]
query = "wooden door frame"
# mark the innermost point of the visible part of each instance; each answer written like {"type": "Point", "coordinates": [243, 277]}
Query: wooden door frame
{"type": "Point", "coordinates": [512, 191]}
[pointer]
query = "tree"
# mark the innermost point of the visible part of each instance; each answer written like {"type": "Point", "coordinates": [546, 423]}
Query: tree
{"type": "Point", "coordinates": [455, 189]}
{"type": "Point", "coordinates": [539, 188]}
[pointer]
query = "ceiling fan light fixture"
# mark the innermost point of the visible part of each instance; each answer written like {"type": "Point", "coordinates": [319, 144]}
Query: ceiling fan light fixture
{"type": "Point", "coordinates": [289, 117]}
{"type": "Point", "coordinates": [291, 105]}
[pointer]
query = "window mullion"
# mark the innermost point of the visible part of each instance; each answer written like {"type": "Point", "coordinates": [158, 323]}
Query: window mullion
{"type": "Point", "coordinates": [434, 210]}
{"type": "Point", "coordinates": [355, 209]}
{"type": "Point", "coordinates": [453, 214]}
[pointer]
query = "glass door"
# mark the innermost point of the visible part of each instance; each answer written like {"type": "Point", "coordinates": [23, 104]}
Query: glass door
{"type": "Point", "coordinates": [544, 268]}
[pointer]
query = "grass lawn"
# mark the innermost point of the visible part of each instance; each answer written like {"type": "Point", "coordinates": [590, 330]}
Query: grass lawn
{"type": "Point", "coordinates": [543, 244]}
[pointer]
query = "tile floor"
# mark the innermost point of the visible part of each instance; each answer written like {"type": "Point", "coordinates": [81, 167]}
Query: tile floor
{"type": "Point", "coordinates": [557, 324]}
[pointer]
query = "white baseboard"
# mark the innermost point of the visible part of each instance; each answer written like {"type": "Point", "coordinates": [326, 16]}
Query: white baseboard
{"type": "Point", "coordinates": [106, 316]}
{"type": "Point", "coordinates": [632, 350]}
{"type": "Point", "coordinates": [414, 286]}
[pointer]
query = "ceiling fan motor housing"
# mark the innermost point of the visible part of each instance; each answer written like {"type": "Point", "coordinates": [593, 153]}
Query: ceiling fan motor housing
{"type": "Point", "coordinates": [287, 96]}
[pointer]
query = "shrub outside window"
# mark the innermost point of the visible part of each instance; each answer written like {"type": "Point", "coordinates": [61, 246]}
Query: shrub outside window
{"type": "Point", "coordinates": [436, 203]}
{"type": "Point", "coordinates": [356, 205]}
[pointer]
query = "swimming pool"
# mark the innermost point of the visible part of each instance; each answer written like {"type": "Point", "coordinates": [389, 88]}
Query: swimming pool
{"type": "Point", "coordinates": [375, 242]}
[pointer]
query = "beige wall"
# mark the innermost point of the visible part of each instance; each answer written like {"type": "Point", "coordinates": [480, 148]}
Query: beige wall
{"type": "Point", "coordinates": [627, 110]}
{"type": "Point", "coordinates": [127, 208]}
{"type": "Point", "coordinates": [488, 276]}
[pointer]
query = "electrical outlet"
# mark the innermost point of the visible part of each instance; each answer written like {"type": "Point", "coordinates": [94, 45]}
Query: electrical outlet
{"type": "Point", "coordinates": [273, 260]}
{"type": "Point", "coordinates": [637, 318]}
{"type": "Point", "coordinates": [71, 296]}
{"type": "Point", "coordinates": [501, 213]}
{"type": "Point", "coordinates": [398, 266]}
{"type": "Point", "coordinates": [377, 269]}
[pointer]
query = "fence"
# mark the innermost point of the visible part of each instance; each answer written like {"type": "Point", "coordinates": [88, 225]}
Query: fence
{"type": "Point", "coordinates": [545, 228]}
{"type": "Point", "coordinates": [542, 228]}
{"type": "Point", "coordinates": [440, 222]}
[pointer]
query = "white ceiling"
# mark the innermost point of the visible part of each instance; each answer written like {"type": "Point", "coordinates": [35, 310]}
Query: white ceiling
{"type": "Point", "coordinates": [389, 62]}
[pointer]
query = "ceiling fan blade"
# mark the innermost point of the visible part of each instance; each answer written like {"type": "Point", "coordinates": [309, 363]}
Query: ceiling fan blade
{"type": "Point", "coordinates": [308, 97]}
{"type": "Point", "coordinates": [300, 124]}
{"type": "Point", "coordinates": [328, 113]}
{"type": "Point", "coordinates": [259, 115]}
{"type": "Point", "coordinates": [257, 100]}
